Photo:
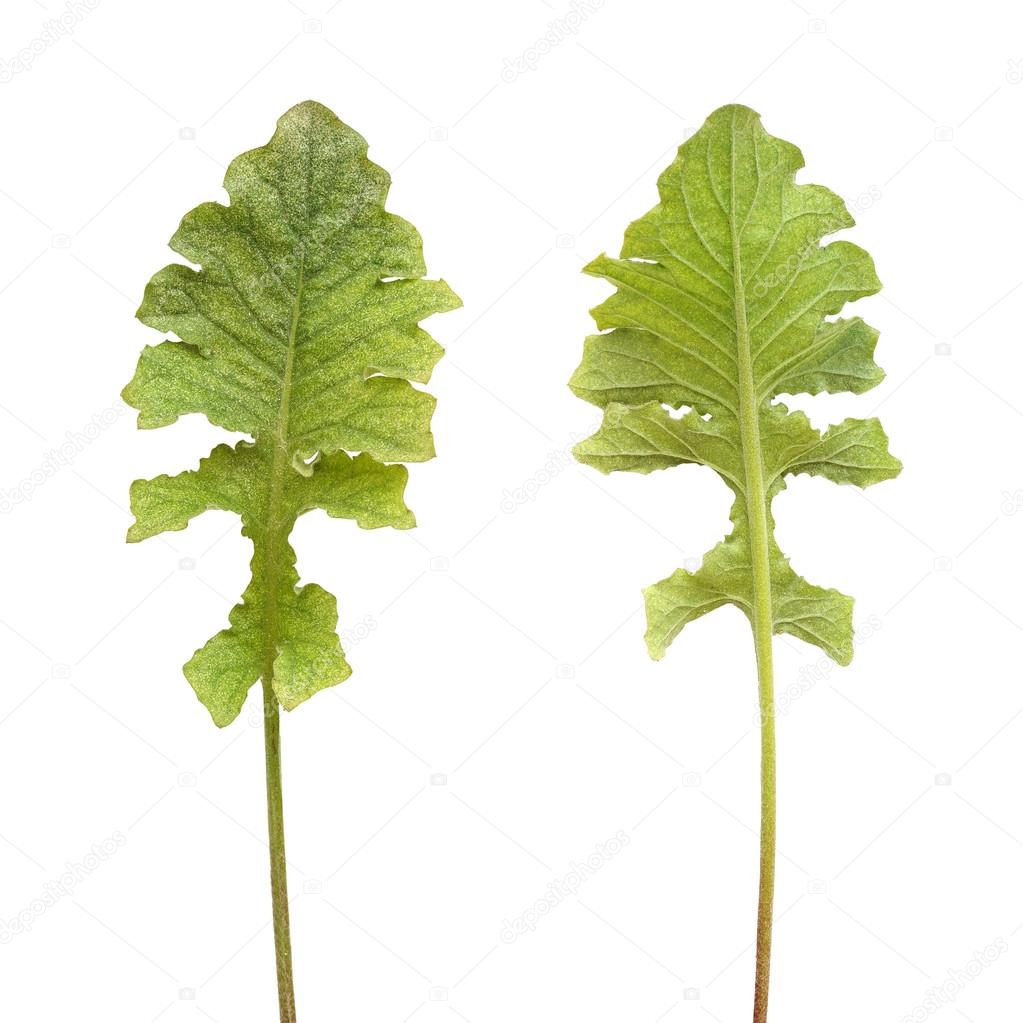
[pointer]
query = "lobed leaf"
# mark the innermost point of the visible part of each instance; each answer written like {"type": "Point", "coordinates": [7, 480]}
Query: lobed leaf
{"type": "Point", "coordinates": [725, 280]}
{"type": "Point", "coordinates": [300, 328]}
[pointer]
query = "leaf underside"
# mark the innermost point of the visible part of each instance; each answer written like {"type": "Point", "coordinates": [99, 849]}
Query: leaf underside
{"type": "Point", "coordinates": [299, 329]}
{"type": "Point", "coordinates": [674, 337]}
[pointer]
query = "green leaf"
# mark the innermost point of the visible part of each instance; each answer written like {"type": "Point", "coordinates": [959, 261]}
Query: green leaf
{"type": "Point", "coordinates": [724, 302]}
{"type": "Point", "coordinates": [300, 329]}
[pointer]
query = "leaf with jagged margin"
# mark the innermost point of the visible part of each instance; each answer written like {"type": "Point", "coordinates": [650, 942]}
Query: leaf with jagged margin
{"type": "Point", "coordinates": [685, 331]}
{"type": "Point", "coordinates": [301, 329]}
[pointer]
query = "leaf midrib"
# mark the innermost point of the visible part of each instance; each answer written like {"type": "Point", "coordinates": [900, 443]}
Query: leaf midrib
{"type": "Point", "coordinates": [278, 526]}
{"type": "Point", "coordinates": [749, 435]}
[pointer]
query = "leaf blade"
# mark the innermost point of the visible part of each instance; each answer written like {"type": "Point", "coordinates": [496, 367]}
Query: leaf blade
{"type": "Point", "coordinates": [299, 327]}
{"type": "Point", "coordinates": [723, 296]}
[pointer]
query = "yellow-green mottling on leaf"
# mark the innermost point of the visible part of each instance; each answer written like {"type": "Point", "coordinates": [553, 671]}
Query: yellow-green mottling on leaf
{"type": "Point", "coordinates": [301, 330]}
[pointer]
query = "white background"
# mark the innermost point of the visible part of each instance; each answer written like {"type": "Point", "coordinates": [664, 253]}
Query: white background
{"type": "Point", "coordinates": [501, 650]}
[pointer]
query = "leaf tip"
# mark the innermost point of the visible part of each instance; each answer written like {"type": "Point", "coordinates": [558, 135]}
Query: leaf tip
{"type": "Point", "coordinates": [730, 110]}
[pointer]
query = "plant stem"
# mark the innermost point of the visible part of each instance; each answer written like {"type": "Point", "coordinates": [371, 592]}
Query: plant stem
{"type": "Point", "coordinates": [768, 820]}
{"type": "Point", "coordinates": [762, 613]}
{"type": "Point", "coordinates": [278, 863]}
{"type": "Point", "coordinates": [277, 534]}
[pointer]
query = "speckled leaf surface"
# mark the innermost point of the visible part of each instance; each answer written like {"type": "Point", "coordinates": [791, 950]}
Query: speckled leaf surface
{"type": "Point", "coordinates": [300, 328]}
{"type": "Point", "coordinates": [725, 299]}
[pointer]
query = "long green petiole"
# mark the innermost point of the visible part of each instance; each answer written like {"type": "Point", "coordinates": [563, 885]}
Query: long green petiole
{"type": "Point", "coordinates": [278, 861]}
{"type": "Point", "coordinates": [768, 826]}
{"type": "Point", "coordinates": [762, 613]}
